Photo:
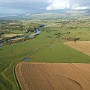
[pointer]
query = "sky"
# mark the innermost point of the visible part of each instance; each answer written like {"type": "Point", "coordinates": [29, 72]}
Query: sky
{"type": "Point", "coordinates": [37, 6]}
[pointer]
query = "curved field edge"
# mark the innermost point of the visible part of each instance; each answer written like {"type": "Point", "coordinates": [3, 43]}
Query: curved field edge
{"type": "Point", "coordinates": [53, 76]}
{"type": "Point", "coordinates": [8, 78]}
{"type": "Point", "coordinates": [11, 55]}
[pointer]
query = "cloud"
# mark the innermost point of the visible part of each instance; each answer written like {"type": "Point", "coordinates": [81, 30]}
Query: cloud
{"type": "Point", "coordinates": [68, 4]}
{"type": "Point", "coordinates": [29, 6]}
{"type": "Point", "coordinates": [80, 8]}
{"type": "Point", "coordinates": [58, 4]}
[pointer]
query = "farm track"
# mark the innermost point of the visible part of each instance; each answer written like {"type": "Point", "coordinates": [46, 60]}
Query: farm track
{"type": "Point", "coordinates": [53, 76]}
{"type": "Point", "coordinates": [5, 81]}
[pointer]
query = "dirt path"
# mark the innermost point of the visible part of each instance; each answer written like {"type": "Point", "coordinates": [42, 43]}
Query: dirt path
{"type": "Point", "coordinates": [53, 76]}
{"type": "Point", "coordinates": [83, 46]}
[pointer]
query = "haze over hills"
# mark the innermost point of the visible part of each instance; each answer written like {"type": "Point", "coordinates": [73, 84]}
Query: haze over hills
{"type": "Point", "coordinates": [48, 15]}
{"type": "Point", "coordinates": [15, 8]}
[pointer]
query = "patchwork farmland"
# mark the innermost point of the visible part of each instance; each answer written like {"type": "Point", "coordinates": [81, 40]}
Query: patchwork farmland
{"type": "Point", "coordinates": [20, 47]}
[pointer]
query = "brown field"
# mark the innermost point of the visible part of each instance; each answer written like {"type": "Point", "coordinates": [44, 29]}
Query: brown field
{"type": "Point", "coordinates": [11, 35]}
{"type": "Point", "coordinates": [82, 46]}
{"type": "Point", "coordinates": [53, 76]}
{"type": "Point", "coordinates": [16, 39]}
{"type": "Point", "coordinates": [0, 38]}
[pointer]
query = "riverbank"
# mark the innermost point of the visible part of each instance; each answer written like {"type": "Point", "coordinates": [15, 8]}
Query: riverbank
{"type": "Point", "coordinates": [18, 38]}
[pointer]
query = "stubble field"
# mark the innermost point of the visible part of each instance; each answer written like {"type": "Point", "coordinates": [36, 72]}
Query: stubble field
{"type": "Point", "coordinates": [53, 76]}
{"type": "Point", "coordinates": [82, 46]}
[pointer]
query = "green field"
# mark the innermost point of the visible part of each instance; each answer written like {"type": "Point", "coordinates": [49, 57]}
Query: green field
{"type": "Point", "coordinates": [46, 47]}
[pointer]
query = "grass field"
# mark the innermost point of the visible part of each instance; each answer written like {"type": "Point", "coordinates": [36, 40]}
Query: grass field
{"type": "Point", "coordinates": [53, 76]}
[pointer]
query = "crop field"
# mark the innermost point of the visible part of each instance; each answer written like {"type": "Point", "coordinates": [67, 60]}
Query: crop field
{"type": "Point", "coordinates": [83, 46]}
{"type": "Point", "coordinates": [11, 35]}
{"type": "Point", "coordinates": [53, 76]}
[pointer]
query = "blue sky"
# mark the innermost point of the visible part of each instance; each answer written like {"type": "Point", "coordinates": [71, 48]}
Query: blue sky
{"type": "Point", "coordinates": [37, 6]}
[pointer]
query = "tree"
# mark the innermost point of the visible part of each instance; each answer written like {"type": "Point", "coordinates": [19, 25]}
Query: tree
{"type": "Point", "coordinates": [75, 39]}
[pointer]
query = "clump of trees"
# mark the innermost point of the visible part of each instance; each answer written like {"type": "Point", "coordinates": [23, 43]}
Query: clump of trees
{"type": "Point", "coordinates": [72, 39]}
{"type": "Point", "coordinates": [33, 27]}
{"type": "Point", "coordinates": [13, 25]}
{"type": "Point", "coordinates": [58, 35]}
{"type": "Point", "coordinates": [1, 33]}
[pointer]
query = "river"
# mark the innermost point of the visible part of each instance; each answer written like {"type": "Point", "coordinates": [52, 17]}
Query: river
{"type": "Point", "coordinates": [28, 36]}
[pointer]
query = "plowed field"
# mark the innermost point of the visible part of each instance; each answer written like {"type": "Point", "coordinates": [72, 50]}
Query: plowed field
{"type": "Point", "coordinates": [53, 76]}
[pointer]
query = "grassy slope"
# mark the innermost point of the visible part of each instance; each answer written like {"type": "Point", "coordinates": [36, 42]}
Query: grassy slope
{"type": "Point", "coordinates": [40, 49]}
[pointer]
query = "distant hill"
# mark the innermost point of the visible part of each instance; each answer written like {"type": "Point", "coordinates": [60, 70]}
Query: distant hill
{"type": "Point", "coordinates": [49, 15]}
